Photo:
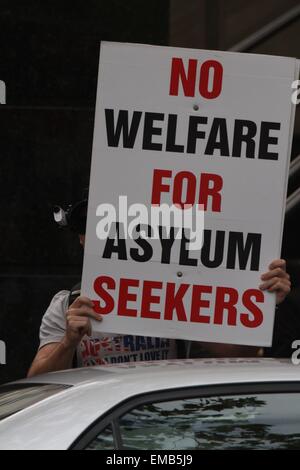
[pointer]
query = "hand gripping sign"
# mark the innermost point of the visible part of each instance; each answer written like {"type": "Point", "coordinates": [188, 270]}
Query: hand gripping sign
{"type": "Point", "coordinates": [193, 132]}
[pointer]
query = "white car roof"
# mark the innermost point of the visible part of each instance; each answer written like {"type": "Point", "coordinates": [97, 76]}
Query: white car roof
{"type": "Point", "coordinates": [57, 421]}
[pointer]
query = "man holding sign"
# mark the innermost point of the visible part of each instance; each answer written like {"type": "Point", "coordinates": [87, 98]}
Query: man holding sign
{"type": "Point", "coordinates": [66, 331]}
{"type": "Point", "coordinates": [180, 133]}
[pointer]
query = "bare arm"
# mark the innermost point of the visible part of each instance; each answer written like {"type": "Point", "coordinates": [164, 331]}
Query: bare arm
{"type": "Point", "coordinates": [52, 357]}
{"type": "Point", "coordinates": [59, 356]}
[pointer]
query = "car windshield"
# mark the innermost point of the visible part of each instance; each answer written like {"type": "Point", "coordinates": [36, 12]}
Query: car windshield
{"type": "Point", "coordinates": [14, 398]}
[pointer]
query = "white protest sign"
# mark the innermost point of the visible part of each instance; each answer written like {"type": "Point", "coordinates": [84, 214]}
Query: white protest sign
{"type": "Point", "coordinates": [173, 127]}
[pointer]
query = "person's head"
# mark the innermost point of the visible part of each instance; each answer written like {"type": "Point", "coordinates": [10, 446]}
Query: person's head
{"type": "Point", "coordinates": [73, 218]}
{"type": "Point", "coordinates": [77, 216]}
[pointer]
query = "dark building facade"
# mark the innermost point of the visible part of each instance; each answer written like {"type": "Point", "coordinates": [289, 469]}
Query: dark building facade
{"type": "Point", "coordinates": [49, 61]}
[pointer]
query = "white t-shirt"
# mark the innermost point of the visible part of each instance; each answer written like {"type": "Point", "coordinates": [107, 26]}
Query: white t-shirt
{"type": "Point", "coordinates": [103, 348]}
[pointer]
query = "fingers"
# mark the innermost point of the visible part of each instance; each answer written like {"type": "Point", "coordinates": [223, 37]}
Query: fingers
{"type": "Point", "coordinates": [276, 284]}
{"type": "Point", "coordinates": [78, 318]}
{"type": "Point", "coordinates": [276, 269]}
{"type": "Point", "coordinates": [85, 307]}
{"type": "Point", "coordinates": [80, 301]}
{"type": "Point", "coordinates": [281, 287]}
{"type": "Point", "coordinates": [278, 263]}
{"type": "Point", "coordinates": [80, 325]}
{"type": "Point", "coordinates": [277, 272]}
{"type": "Point", "coordinates": [83, 311]}
{"type": "Point", "coordinates": [277, 280]}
